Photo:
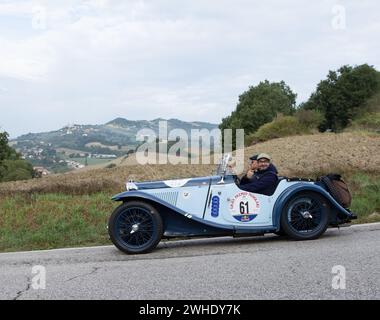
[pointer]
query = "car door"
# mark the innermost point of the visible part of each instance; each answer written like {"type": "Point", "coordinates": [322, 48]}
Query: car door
{"type": "Point", "coordinates": [192, 197]}
{"type": "Point", "coordinates": [227, 204]}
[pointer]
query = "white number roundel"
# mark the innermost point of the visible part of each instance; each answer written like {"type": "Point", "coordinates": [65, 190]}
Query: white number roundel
{"type": "Point", "coordinates": [244, 206]}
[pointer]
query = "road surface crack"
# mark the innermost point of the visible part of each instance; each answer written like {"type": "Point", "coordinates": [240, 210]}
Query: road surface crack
{"type": "Point", "coordinates": [94, 269]}
{"type": "Point", "coordinates": [20, 293]}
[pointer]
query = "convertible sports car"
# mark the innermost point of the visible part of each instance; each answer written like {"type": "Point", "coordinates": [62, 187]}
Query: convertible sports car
{"type": "Point", "coordinates": [215, 206]}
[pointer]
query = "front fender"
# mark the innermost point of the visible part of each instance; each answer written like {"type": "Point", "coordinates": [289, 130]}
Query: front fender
{"type": "Point", "coordinates": [135, 194]}
{"type": "Point", "coordinates": [299, 187]}
{"type": "Point", "coordinates": [127, 195]}
{"type": "Point", "coordinates": [176, 221]}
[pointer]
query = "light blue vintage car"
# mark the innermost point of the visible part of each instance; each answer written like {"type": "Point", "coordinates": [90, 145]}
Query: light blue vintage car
{"type": "Point", "coordinates": [215, 206]}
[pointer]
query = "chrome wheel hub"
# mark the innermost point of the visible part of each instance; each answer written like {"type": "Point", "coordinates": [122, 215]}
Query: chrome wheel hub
{"type": "Point", "coordinates": [307, 215]}
{"type": "Point", "coordinates": [134, 228]}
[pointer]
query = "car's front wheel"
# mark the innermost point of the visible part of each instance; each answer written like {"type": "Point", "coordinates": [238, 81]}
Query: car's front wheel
{"type": "Point", "coordinates": [135, 227]}
{"type": "Point", "coordinates": [305, 216]}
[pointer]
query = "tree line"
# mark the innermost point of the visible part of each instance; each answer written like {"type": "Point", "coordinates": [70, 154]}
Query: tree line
{"type": "Point", "coordinates": [337, 100]}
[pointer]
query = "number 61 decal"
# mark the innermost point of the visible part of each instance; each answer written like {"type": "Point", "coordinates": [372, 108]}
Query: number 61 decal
{"type": "Point", "coordinates": [244, 206]}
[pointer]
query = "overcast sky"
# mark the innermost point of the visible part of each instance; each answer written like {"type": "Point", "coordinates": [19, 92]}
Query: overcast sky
{"type": "Point", "coordinates": [87, 62]}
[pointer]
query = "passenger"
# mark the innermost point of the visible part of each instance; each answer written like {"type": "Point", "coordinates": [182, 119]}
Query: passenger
{"type": "Point", "coordinates": [262, 180]}
{"type": "Point", "coordinates": [253, 166]}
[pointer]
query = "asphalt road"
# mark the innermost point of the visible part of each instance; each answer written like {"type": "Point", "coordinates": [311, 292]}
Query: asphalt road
{"type": "Point", "coordinates": [268, 267]}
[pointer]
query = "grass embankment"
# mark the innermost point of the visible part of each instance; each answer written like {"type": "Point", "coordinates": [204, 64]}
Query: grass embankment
{"type": "Point", "coordinates": [45, 221]}
{"type": "Point", "coordinates": [366, 196]}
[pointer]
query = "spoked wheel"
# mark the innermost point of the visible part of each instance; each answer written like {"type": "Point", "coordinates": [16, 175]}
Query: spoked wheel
{"type": "Point", "coordinates": [305, 216]}
{"type": "Point", "coordinates": [135, 227]}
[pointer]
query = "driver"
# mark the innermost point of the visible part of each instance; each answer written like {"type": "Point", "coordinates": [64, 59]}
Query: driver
{"type": "Point", "coordinates": [261, 177]}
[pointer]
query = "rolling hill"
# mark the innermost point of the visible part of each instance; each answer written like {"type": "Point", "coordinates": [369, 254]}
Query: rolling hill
{"type": "Point", "coordinates": [110, 140]}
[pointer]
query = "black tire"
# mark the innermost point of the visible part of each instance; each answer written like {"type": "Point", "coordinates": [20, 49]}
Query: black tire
{"type": "Point", "coordinates": [305, 216]}
{"type": "Point", "coordinates": [135, 227]}
{"type": "Point", "coordinates": [280, 233]}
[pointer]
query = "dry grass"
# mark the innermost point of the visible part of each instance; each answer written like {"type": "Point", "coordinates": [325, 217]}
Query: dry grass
{"type": "Point", "coordinates": [101, 180]}
{"type": "Point", "coordinates": [313, 155]}
{"type": "Point", "coordinates": [309, 155]}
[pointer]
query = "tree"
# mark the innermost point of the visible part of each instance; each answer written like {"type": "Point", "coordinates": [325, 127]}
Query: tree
{"type": "Point", "coordinates": [259, 105]}
{"type": "Point", "coordinates": [11, 166]}
{"type": "Point", "coordinates": [12, 170]}
{"type": "Point", "coordinates": [343, 95]}
{"type": "Point", "coordinates": [6, 152]}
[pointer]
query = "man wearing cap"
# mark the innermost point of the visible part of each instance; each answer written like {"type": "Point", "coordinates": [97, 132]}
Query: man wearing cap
{"type": "Point", "coordinates": [253, 166]}
{"type": "Point", "coordinates": [263, 179]}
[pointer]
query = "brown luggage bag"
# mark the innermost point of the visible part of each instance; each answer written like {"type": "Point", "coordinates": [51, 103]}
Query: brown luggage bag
{"type": "Point", "coordinates": [338, 189]}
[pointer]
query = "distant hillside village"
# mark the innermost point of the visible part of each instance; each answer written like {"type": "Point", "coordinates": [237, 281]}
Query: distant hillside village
{"type": "Point", "coordinates": [47, 160]}
{"type": "Point", "coordinates": [76, 146]}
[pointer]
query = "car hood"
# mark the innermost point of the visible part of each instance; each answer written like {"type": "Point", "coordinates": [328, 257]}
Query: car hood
{"type": "Point", "coordinates": [175, 183]}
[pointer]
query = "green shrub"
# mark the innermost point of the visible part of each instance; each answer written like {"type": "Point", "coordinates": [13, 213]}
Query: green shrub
{"type": "Point", "coordinates": [12, 170]}
{"type": "Point", "coordinates": [281, 126]}
{"type": "Point", "coordinates": [373, 104]}
{"type": "Point", "coordinates": [309, 118]}
{"type": "Point", "coordinates": [369, 121]}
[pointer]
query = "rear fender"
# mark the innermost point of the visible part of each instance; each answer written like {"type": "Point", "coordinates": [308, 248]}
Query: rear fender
{"type": "Point", "coordinates": [337, 209]}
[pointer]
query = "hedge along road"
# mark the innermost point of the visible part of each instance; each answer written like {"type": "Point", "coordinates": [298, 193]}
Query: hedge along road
{"type": "Point", "coordinates": [342, 264]}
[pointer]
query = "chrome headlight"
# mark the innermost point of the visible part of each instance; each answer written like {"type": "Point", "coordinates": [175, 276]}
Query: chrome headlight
{"type": "Point", "coordinates": [131, 186]}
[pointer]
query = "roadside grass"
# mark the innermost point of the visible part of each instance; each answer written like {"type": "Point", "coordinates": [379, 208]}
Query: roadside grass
{"type": "Point", "coordinates": [47, 221]}
{"type": "Point", "coordinates": [366, 197]}
{"type": "Point", "coordinates": [52, 220]}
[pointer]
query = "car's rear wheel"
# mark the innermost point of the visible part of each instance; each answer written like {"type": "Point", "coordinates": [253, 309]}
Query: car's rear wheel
{"type": "Point", "coordinates": [135, 227]}
{"type": "Point", "coordinates": [280, 233]}
{"type": "Point", "coordinates": [305, 216]}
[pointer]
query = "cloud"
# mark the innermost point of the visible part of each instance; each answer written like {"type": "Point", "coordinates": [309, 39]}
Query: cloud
{"type": "Point", "coordinates": [90, 61]}
{"type": "Point", "coordinates": [15, 8]}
